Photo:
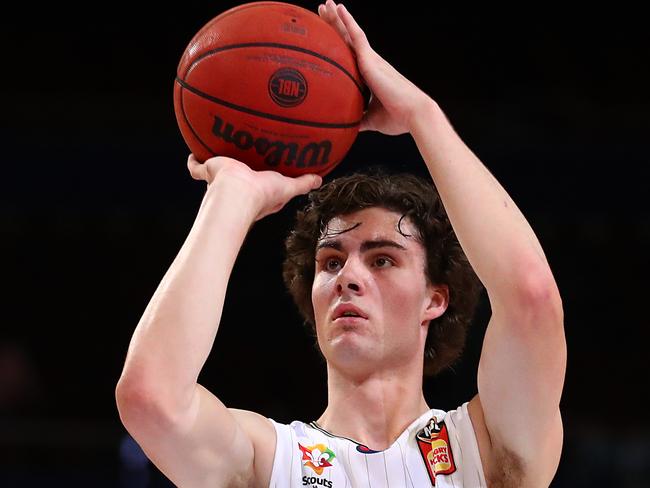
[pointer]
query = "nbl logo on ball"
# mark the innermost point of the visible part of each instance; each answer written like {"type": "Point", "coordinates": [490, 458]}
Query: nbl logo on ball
{"type": "Point", "coordinates": [288, 87]}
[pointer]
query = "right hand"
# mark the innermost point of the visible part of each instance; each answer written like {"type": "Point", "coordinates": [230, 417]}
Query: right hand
{"type": "Point", "coordinates": [396, 102]}
{"type": "Point", "coordinates": [270, 190]}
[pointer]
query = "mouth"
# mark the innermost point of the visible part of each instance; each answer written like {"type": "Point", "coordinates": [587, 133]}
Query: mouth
{"type": "Point", "coordinates": [349, 319]}
{"type": "Point", "coordinates": [348, 313]}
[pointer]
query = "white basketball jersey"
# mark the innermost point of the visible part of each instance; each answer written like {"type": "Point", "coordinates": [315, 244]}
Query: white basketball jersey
{"type": "Point", "coordinates": [438, 449]}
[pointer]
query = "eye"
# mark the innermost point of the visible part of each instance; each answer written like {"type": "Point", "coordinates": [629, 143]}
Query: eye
{"type": "Point", "coordinates": [331, 264]}
{"type": "Point", "coordinates": [383, 262]}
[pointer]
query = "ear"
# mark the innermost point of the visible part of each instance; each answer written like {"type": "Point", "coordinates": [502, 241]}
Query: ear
{"type": "Point", "coordinates": [437, 302]}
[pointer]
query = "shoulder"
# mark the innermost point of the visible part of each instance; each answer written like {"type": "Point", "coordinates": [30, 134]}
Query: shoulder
{"type": "Point", "coordinates": [261, 431]}
{"type": "Point", "coordinates": [280, 446]}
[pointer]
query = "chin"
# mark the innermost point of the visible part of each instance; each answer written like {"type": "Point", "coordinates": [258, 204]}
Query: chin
{"type": "Point", "coordinates": [348, 349]}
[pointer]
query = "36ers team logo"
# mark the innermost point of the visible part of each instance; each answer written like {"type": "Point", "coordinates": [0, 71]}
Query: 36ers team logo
{"type": "Point", "coordinates": [317, 457]}
{"type": "Point", "coordinates": [433, 441]}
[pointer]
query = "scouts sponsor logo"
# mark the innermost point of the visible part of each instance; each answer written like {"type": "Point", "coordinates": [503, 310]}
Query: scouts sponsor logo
{"type": "Point", "coordinates": [317, 457]}
{"type": "Point", "coordinates": [316, 482]}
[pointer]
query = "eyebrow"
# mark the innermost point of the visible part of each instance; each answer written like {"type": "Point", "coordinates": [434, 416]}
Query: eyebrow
{"type": "Point", "coordinates": [365, 245]}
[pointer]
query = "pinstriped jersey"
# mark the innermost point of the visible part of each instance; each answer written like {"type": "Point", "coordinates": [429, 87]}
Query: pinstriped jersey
{"type": "Point", "coordinates": [437, 449]}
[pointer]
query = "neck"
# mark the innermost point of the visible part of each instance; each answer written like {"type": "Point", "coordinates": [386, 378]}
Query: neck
{"type": "Point", "coordinates": [375, 408]}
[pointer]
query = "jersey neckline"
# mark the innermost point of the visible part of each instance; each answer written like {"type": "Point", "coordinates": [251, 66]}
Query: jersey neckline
{"type": "Point", "coordinates": [365, 449]}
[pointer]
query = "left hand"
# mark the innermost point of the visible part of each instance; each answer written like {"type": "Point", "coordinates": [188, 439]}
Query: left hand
{"type": "Point", "coordinates": [395, 100]}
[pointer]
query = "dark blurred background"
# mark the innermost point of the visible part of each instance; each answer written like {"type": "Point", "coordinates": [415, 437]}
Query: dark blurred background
{"type": "Point", "coordinates": [95, 202]}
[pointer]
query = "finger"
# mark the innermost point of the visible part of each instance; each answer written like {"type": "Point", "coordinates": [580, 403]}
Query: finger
{"type": "Point", "coordinates": [368, 116]}
{"type": "Point", "coordinates": [357, 36]}
{"type": "Point", "coordinates": [197, 170]}
{"type": "Point", "coordinates": [328, 10]}
{"type": "Point", "coordinates": [330, 14]}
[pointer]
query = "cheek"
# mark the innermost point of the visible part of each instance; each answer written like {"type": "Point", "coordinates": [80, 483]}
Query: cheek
{"type": "Point", "coordinates": [321, 299]}
{"type": "Point", "coordinates": [320, 293]}
{"type": "Point", "coordinates": [401, 303]}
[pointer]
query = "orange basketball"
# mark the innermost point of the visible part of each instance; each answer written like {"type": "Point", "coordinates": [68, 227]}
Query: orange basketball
{"type": "Point", "coordinates": [270, 84]}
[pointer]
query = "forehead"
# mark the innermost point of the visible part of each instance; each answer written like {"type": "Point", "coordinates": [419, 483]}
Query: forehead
{"type": "Point", "coordinates": [370, 223]}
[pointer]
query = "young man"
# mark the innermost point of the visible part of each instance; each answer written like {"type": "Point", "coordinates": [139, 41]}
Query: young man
{"type": "Point", "coordinates": [375, 293]}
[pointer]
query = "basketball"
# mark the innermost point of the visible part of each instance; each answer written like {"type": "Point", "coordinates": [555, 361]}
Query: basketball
{"type": "Point", "coordinates": [272, 85]}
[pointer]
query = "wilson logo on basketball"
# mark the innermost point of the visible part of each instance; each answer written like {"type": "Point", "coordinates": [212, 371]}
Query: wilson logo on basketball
{"type": "Point", "coordinates": [287, 87]}
{"type": "Point", "coordinates": [274, 152]}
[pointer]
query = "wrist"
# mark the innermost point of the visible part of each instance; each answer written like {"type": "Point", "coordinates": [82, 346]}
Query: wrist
{"type": "Point", "coordinates": [426, 114]}
{"type": "Point", "coordinates": [234, 195]}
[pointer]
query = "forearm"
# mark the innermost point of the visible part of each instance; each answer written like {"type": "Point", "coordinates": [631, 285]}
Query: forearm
{"type": "Point", "coordinates": [175, 334]}
{"type": "Point", "coordinates": [498, 241]}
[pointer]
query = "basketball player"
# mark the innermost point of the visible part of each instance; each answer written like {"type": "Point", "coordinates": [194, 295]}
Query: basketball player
{"type": "Point", "coordinates": [373, 264]}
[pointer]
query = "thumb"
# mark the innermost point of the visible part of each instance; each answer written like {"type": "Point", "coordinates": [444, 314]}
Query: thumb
{"type": "Point", "coordinates": [306, 183]}
{"type": "Point", "coordinates": [364, 125]}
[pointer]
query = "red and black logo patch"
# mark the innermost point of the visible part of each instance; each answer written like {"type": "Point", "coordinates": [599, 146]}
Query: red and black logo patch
{"type": "Point", "coordinates": [433, 441]}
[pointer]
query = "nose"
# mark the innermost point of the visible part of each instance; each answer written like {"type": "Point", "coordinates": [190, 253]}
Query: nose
{"type": "Point", "coordinates": [350, 277]}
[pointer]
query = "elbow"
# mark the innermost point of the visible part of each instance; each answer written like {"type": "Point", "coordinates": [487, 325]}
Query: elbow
{"type": "Point", "coordinates": [144, 401]}
{"type": "Point", "coordinates": [128, 395]}
{"type": "Point", "coordinates": [133, 403]}
{"type": "Point", "coordinates": [539, 289]}
{"type": "Point", "coordinates": [539, 292]}
{"type": "Point", "coordinates": [131, 390]}
{"type": "Point", "coordinates": [140, 406]}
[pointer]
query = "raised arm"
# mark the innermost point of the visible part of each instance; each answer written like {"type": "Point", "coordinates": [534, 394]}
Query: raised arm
{"type": "Point", "coordinates": [523, 361]}
{"type": "Point", "coordinates": [185, 430]}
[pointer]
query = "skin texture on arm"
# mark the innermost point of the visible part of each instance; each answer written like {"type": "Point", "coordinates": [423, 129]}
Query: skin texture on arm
{"type": "Point", "coordinates": [183, 428]}
{"type": "Point", "coordinates": [523, 361]}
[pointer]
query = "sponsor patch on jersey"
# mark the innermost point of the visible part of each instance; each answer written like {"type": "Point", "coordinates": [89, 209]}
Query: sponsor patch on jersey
{"type": "Point", "coordinates": [317, 457]}
{"type": "Point", "coordinates": [433, 441]}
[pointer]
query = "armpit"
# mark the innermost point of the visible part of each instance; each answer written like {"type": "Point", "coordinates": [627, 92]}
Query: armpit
{"type": "Point", "coordinates": [507, 470]}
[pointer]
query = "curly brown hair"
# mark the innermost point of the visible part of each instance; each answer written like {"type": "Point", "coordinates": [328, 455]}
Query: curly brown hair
{"type": "Point", "coordinates": [446, 263]}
